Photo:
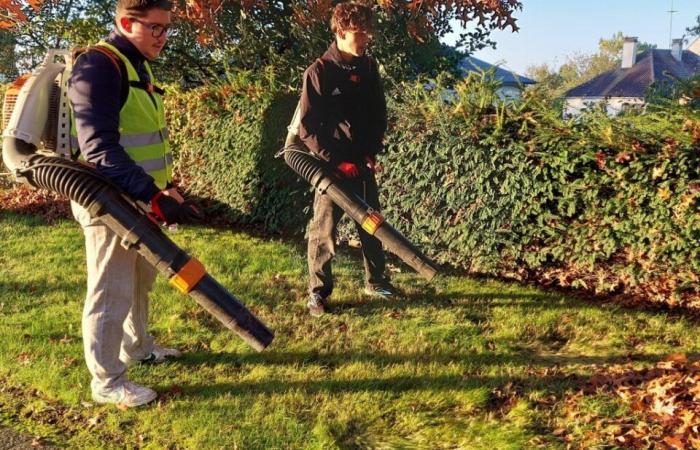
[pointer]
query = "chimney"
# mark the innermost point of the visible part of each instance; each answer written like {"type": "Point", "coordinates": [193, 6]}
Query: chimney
{"type": "Point", "coordinates": [677, 49]}
{"type": "Point", "coordinates": [629, 52]}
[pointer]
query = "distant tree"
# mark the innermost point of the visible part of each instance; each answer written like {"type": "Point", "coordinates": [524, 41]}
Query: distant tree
{"type": "Point", "coordinates": [695, 29]}
{"type": "Point", "coordinates": [580, 68]}
{"type": "Point", "coordinates": [547, 77]}
{"type": "Point", "coordinates": [8, 66]}
{"type": "Point", "coordinates": [213, 37]}
{"type": "Point", "coordinates": [37, 26]}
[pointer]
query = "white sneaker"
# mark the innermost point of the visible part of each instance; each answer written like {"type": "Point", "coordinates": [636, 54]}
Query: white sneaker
{"type": "Point", "coordinates": [128, 394]}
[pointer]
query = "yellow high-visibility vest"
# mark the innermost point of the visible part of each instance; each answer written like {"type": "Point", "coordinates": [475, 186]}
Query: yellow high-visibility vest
{"type": "Point", "coordinates": [142, 128]}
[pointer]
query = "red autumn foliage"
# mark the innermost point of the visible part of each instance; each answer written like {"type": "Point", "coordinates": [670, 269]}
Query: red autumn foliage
{"type": "Point", "coordinates": [422, 15]}
{"type": "Point", "coordinates": [11, 12]}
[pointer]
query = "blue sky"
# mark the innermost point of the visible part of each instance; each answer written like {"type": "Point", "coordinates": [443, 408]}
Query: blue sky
{"type": "Point", "coordinates": [552, 29]}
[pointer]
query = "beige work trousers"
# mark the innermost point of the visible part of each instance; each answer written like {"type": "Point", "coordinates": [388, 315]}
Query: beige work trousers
{"type": "Point", "coordinates": [115, 315]}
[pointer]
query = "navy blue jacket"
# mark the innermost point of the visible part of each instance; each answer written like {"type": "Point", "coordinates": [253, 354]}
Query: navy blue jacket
{"type": "Point", "coordinates": [97, 93]}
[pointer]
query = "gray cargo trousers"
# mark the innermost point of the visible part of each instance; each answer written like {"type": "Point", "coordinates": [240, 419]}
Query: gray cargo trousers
{"type": "Point", "coordinates": [322, 231]}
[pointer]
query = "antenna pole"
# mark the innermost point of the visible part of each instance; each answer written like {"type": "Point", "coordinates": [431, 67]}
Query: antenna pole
{"type": "Point", "coordinates": [670, 31]}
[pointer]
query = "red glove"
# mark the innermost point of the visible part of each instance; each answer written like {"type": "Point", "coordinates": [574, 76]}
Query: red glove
{"type": "Point", "coordinates": [168, 210]}
{"type": "Point", "coordinates": [348, 169]}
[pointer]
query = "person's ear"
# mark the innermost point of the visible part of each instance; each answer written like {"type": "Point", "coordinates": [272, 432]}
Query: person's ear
{"type": "Point", "coordinates": [126, 24]}
{"type": "Point", "coordinates": [340, 34]}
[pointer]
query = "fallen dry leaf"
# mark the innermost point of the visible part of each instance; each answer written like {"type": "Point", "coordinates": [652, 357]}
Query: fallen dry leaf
{"type": "Point", "coordinates": [677, 357]}
{"type": "Point", "coordinates": [663, 399]}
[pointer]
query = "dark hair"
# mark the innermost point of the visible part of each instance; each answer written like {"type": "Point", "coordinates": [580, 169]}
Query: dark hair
{"type": "Point", "coordinates": [351, 16]}
{"type": "Point", "coordinates": [140, 8]}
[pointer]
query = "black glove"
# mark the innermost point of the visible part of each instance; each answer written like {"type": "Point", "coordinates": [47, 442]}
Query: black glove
{"type": "Point", "coordinates": [168, 210]}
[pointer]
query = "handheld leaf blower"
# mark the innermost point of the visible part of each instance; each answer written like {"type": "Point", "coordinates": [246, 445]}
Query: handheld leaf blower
{"type": "Point", "coordinates": [321, 177]}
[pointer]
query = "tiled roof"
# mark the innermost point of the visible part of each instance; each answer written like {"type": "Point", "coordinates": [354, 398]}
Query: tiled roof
{"type": "Point", "coordinates": [471, 64]}
{"type": "Point", "coordinates": [652, 66]}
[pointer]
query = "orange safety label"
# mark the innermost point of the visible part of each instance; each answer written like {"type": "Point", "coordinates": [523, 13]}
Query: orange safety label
{"type": "Point", "coordinates": [372, 222]}
{"type": "Point", "coordinates": [188, 277]}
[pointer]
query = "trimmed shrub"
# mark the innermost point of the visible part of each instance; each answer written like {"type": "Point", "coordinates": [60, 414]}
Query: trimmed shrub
{"type": "Point", "coordinates": [512, 189]}
{"type": "Point", "coordinates": [507, 189]}
{"type": "Point", "coordinates": [224, 141]}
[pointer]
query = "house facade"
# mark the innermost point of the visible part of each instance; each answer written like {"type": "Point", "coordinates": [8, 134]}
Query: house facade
{"type": "Point", "coordinates": [625, 87]}
{"type": "Point", "coordinates": [512, 84]}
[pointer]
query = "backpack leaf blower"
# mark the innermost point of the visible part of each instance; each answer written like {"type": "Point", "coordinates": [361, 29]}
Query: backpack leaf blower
{"type": "Point", "coordinates": [36, 119]}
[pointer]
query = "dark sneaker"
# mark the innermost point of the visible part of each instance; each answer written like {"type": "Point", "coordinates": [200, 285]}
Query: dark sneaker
{"type": "Point", "coordinates": [316, 305]}
{"type": "Point", "coordinates": [157, 356]}
{"type": "Point", "coordinates": [383, 291]}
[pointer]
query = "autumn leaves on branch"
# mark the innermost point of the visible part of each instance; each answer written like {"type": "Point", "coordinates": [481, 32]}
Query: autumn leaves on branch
{"type": "Point", "coordinates": [422, 15]}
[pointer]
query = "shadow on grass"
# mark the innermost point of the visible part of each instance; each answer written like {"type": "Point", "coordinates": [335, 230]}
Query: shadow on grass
{"type": "Point", "coordinates": [38, 287]}
{"type": "Point", "coordinates": [427, 296]}
{"type": "Point", "coordinates": [323, 386]}
{"type": "Point", "coordinates": [366, 305]}
{"type": "Point", "coordinates": [521, 385]}
{"type": "Point", "coordinates": [335, 359]}
{"type": "Point", "coordinates": [539, 373]}
{"type": "Point", "coordinates": [475, 305]}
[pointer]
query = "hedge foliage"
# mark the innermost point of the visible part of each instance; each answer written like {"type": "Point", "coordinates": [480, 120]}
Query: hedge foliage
{"type": "Point", "coordinates": [224, 141]}
{"type": "Point", "coordinates": [510, 189]}
{"type": "Point", "coordinates": [603, 203]}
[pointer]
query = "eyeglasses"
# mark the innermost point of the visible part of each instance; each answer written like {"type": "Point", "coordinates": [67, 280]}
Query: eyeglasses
{"type": "Point", "coordinates": [157, 30]}
{"type": "Point", "coordinates": [367, 34]}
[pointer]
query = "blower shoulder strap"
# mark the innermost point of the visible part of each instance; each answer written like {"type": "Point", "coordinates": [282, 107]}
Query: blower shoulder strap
{"type": "Point", "coordinates": [118, 65]}
{"type": "Point", "coordinates": [116, 61]}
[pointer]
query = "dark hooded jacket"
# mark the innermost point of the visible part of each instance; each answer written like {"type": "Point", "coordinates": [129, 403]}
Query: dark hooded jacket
{"type": "Point", "coordinates": [342, 108]}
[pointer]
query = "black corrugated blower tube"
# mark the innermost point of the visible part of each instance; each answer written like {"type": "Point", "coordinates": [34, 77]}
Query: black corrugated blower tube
{"type": "Point", "coordinates": [318, 174]}
{"type": "Point", "coordinates": [103, 200]}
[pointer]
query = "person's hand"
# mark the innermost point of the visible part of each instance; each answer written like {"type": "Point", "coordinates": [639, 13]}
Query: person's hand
{"type": "Point", "coordinates": [373, 165]}
{"type": "Point", "coordinates": [348, 169]}
{"type": "Point", "coordinates": [168, 208]}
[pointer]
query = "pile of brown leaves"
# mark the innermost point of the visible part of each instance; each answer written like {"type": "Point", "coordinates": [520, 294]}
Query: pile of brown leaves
{"type": "Point", "coordinates": [664, 402]}
{"type": "Point", "coordinates": [25, 200]}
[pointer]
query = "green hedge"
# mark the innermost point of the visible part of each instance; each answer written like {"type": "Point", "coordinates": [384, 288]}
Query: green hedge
{"type": "Point", "coordinates": [602, 203]}
{"type": "Point", "coordinates": [224, 141]}
{"type": "Point", "coordinates": [506, 189]}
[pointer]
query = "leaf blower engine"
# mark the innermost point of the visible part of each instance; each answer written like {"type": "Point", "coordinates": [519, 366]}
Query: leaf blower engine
{"type": "Point", "coordinates": [37, 150]}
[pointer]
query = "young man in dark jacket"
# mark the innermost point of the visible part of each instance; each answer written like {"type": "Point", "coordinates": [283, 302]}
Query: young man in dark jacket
{"type": "Point", "coordinates": [119, 127]}
{"type": "Point", "coordinates": [342, 119]}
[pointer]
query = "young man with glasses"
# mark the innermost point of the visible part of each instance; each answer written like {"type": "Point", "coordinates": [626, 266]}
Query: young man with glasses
{"type": "Point", "coordinates": [119, 127]}
{"type": "Point", "coordinates": [342, 119]}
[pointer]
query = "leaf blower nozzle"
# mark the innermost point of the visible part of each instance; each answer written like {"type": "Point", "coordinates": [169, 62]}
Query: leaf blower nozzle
{"type": "Point", "coordinates": [84, 185]}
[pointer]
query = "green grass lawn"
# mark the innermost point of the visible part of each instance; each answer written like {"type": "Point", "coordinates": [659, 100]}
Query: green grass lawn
{"type": "Point", "coordinates": [459, 363]}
